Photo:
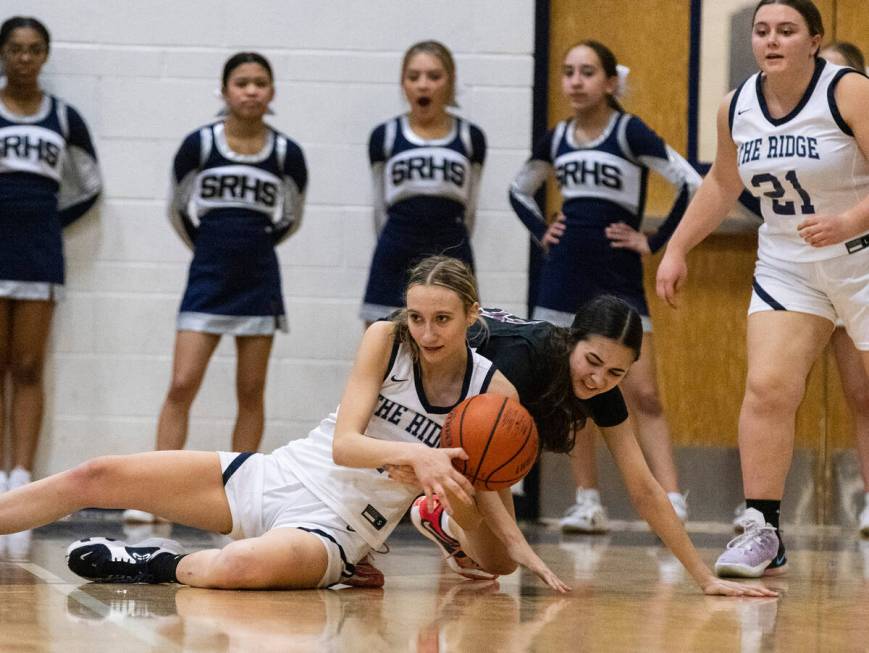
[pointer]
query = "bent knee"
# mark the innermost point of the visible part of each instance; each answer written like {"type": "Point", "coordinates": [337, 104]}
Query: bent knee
{"type": "Point", "coordinates": [92, 475]}
{"type": "Point", "coordinates": [649, 403]}
{"type": "Point", "coordinates": [237, 567]}
{"type": "Point", "coordinates": [182, 390]}
{"type": "Point", "coordinates": [772, 394]}
{"type": "Point", "coordinates": [27, 371]}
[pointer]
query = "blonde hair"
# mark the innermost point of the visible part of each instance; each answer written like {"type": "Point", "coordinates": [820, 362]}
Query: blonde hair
{"type": "Point", "coordinates": [443, 271]}
{"type": "Point", "coordinates": [442, 52]}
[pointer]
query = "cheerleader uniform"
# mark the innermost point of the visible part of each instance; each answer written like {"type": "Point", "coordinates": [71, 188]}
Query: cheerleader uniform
{"type": "Point", "coordinates": [232, 210]}
{"type": "Point", "coordinates": [601, 183]}
{"type": "Point", "coordinates": [425, 195]}
{"type": "Point", "coordinates": [48, 179]}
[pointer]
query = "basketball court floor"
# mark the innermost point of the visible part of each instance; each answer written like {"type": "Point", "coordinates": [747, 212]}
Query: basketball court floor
{"type": "Point", "coordinates": [628, 594]}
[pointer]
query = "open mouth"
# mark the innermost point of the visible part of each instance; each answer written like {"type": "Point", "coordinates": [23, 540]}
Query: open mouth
{"type": "Point", "coordinates": [423, 101]}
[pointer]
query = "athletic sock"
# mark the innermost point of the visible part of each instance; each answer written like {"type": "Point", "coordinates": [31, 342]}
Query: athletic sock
{"type": "Point", "coordinates": [771, 510]}
{"type": "Point", "coordinates": [587, 493]}
{"type": "Point", "coordinates": [164, 566]}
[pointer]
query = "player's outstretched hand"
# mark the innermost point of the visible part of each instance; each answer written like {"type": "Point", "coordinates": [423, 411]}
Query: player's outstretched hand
{"type": "Point", "coordinates": [545, 574]}
{"type": "Point", "coordinates": [437, 476]}
{"type": "Point", "coordinates": [720, 587]}
{"type": "Point", "coordinates": [624, 236]}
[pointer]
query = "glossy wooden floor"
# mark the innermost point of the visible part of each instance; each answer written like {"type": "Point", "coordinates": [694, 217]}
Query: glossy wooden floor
{"type": "Point", "coordinates": [629, 595]}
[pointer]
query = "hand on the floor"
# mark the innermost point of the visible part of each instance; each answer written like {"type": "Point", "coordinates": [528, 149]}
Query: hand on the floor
{"type": "Point", "coordinates": [720, 587]}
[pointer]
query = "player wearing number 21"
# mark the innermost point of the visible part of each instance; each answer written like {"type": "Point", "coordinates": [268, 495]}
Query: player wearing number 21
{"type": "Point", "coordinates": [796, 135]}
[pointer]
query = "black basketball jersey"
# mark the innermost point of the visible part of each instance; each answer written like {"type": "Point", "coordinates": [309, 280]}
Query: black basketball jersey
{"type": "Point", "coordinates": [520, 350]}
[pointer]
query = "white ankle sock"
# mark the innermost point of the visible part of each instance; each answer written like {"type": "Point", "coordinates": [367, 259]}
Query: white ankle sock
{"type": "Point", "coordinates": [583, 494]}
{"type": "Point", "coordinates": [18, 477]}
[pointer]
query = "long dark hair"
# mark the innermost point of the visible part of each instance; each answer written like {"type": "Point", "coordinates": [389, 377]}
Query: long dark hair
{"type": "Point", "coordinates": [608, 62]}
{"type": "Point", "coordinates": [558, 412]}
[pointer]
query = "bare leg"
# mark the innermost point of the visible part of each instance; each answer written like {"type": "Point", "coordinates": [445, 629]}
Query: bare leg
{"type": "Point", "coordinates": [641, 394]}
{"type": "Point", "coordinates": [193, 350]}
{"type": "Point", "coordinates": [5, 345]}
{"type": "Point", "coordinates": [250, 380]}
{"type": "Point", "coordinates": [284, 558]}
{"type": "Point", "coordinates": [583, 462]}
{"type": "Point", "coordinates": [782, 345]}
{"type": "Point", "coordinates": [183, 486]}
{"type": "Point", "coordinates": [31, 323]}
{"type": "Point", "coordinates": [855, 386]}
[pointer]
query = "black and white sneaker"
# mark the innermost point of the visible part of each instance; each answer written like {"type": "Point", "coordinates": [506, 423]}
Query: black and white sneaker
{"type": "Point", "coordinates": [106, 560]}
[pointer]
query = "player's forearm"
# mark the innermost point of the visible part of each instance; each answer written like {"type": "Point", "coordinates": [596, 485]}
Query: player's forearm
{"type": "Point", "coordinates": [358, 450]}
{"type": "Point", "coordinates": [704, 214]}
{"type": "Point", "coordinates": [653, 506]}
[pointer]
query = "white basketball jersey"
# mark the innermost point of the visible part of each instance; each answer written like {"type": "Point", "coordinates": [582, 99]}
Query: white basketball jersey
{"type": "Point", "coordinates": [804, 163]}
{"type": "Point", "coordinates": [367, 499]}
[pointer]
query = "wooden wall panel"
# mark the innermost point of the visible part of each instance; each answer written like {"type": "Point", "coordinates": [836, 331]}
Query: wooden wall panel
{"type": "Point", "coordinates": [700, 347]}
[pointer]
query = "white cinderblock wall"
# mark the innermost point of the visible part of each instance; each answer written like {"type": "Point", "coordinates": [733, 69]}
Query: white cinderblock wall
{"type": "Point", "coordinates": [145, 73]}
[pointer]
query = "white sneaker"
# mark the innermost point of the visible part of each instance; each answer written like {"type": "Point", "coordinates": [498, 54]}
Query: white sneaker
{"type": "Point", "coordinates": [19, 477]}
{"type": "Point", "coordinates": [131, 516]}
{"type": "Point", "coordinates": [587, 515]}
{"type": "Point", "coordinates": [739, 517]}
{"type": "Point", "coordinates": [679, 502]}
{"type": "Point", "coordinates": [864, 521]}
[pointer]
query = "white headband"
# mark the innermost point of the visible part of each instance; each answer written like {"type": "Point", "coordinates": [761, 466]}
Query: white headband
{"type": "Point", "coordinates": [622, 72]}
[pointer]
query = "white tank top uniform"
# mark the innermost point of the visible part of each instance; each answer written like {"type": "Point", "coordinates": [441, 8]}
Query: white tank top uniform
{"type": "Point", "coordinates": [352, 509]}
{"type": "Point", "coordinates": [807, 162]}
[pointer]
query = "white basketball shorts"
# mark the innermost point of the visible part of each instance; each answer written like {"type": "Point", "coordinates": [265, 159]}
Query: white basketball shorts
{"type": "Point", "coordinates": [835, 289]}
{"type": "Point", "coordinates": [263, 496]}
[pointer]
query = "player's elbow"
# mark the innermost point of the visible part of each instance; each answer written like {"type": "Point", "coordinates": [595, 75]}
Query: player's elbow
{"type": "Point", "coordinates": [340, 450]}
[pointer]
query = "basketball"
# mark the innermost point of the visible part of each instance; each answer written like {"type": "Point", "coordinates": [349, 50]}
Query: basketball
{"type": "Point", "coordinates": [499, 436]}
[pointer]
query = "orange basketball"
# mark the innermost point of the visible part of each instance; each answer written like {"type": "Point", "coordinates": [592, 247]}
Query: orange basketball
{"type": "Point", "coordinates": [498, 435]}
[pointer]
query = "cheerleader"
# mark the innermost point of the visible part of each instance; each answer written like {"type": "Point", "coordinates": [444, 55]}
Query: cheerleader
{"type": "Point", "coordinates": [426, 166]}
{"type": "Point", "coordinates": [601, 159]}
{"type": "Point", "coordinates": [48, 179]}
{"type": "Point", "coordinates": [238, 191]}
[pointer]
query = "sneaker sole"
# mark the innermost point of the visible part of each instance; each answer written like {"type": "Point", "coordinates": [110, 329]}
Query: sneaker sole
{"type": "Point", "coordinates": [450, 560]}
{"type": "Point", "coordinates": [732, 570]}
{"type": "Point", "coordinates": [600, 530]}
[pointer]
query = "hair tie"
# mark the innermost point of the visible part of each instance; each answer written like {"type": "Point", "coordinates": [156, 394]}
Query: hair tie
{"type": "Point", "coordinates": [622, 72]}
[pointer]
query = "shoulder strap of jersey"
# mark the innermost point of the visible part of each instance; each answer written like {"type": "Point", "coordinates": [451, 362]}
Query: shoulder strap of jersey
{"type": "Point", "coordinates": [621, 131]}
{"type": "Point", "coordinates": [831, 99]}
{"type": "Point", "coordinates": [731, 112]}
{"type": "Point", "coordinates": [465, 136]}
{"type": "Point", "coordinates": [280, 151]}
{"type": "Point", "coordinates": [557, 135]}
{"type": "Point", "coordinates": [206, 142]}
{"type": "Point", "coordinates": [62, 116]}
{"type": "Point", "coordinates": [389, 133]}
